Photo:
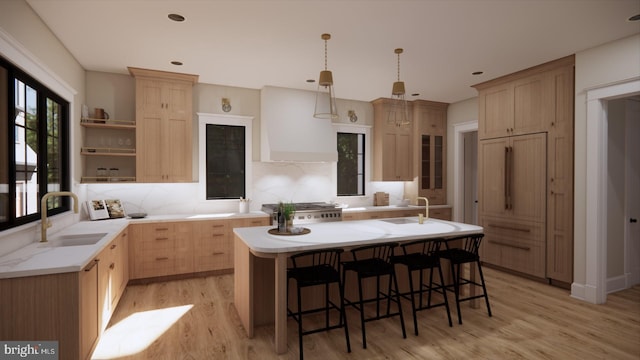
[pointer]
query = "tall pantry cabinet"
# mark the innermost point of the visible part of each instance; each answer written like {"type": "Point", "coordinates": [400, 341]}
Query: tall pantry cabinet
{"type": "Point", "coordinates": [164, 125]}
{"type": "Point", "coordinates": [525, 170]}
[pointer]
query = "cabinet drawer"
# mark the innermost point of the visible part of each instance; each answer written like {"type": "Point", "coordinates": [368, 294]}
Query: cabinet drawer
{"type": "Point", "coordinates": [155, 243]}
{"type": "Point", "coordinates": [526, 258]}
{"type": "Point", "coordinates": [440, 214]}
{"type": "Point", "coordinates": [514, 245]}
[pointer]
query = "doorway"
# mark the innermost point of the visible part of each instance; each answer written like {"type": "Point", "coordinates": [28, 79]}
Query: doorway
{"type": "Point", "coordinates": [465, 187]}
{"type": "Point", "coordinates": [623, 196]}
{"type": "Point", "coordinates": [595, 288]}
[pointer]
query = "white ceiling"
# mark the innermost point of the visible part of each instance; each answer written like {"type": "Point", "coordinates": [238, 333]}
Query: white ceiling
{"type": "Point", "coordinates": [255, 43]}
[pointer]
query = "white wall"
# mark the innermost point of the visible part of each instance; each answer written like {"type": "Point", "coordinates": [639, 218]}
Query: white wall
{"type": "Point", "coordinates": [460, 112]}
{"type": "Point", "coordinates": [610, 63]}
{"type": "Point", "coordinates": [27, 42]}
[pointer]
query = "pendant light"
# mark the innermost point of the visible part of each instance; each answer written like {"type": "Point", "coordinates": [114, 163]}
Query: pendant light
{"type": "Point", "coordinates": [400, 108]}
{"type": "Point", "coordinates": [325, 97]}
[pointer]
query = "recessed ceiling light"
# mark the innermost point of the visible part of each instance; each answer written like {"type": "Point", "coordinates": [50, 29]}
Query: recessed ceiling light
{"type": "Point", "coordinates": [176, 17]}
{"type": "Point", "coordinates": [477, 73]}
{"type": "Point", "coordinates": [415, 94]}
{"type": "Point", "coordinates": [634, 18]}
{"type": "Point", "coordinates": [178, 63]}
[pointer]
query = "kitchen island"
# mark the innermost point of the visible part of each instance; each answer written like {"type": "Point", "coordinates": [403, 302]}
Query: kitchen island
{"type": "Point", "coordinates": [260, 260]}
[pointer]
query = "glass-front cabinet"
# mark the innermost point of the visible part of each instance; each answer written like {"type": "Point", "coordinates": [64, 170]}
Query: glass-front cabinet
{"type": "Point", "coordinates": [431, 120]}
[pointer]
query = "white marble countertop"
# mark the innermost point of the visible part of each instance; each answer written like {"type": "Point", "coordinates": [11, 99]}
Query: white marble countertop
{"type": "Point", "coordinates": [390, 207]}
{"type": "Point", "coordinates": [351, 233]}
{"type": "Point", "coordinates": [43, 258]}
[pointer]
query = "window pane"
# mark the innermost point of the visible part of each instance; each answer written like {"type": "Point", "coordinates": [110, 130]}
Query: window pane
{"type": "Point", "coordinates": [4, 146]}
{"type": "Point", "coordinates": [54, 156]}
{"type": "Point", "coordinates": [225, 161]}
{"type": "Point", "coordinates": [26, 145]}
{"type": "Point", "coordinates": [350, 164]}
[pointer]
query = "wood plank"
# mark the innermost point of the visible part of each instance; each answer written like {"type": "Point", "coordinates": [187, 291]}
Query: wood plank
{"type": "Point", "coordinates": [530, 320]}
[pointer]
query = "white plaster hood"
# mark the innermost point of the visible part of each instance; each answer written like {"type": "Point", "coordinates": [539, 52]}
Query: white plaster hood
{"type": "Point", "coordinates": [288, 130]}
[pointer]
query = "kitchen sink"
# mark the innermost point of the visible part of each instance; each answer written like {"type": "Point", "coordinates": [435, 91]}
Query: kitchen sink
{"type": "Point", "coordinates": [76, 239]}
{"type": "Point", "coordinates": [400, 221]}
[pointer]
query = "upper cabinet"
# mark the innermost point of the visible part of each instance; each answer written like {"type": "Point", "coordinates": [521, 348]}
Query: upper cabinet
{"type": "Point", "coordinates": [518, 106]}
{"type": "Point", "coordinates": [431, 122]}
{"type": "Point", "coordinates": [392, 144]}
{"type": "Point", "coordinates": [163, 125]}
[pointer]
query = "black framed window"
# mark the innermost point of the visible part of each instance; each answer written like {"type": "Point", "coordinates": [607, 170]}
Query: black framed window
{"type": "Point", "coordinates": [225, 162]}
{"type": "Point", "coordinates": [34, 147]}
{"type": "Point", "coordinates": [351, 164]}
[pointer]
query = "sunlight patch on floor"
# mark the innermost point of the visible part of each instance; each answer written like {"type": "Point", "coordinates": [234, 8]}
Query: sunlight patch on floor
{"type": "Point", "coordinates": [137, 332]}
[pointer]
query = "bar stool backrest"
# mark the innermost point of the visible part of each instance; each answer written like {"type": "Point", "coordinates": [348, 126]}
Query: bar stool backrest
{"type": "Point", "coordinates": [376, 251]}
{"type": "Point", "coordinates": [328, 257]}
{"type": "Point", "coordinates": [427, 247]}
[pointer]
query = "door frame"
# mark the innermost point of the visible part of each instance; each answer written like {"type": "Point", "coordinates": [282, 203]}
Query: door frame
{"type": "Point", "coordinates": [458, 166]}
{"type": "Point", "coordinates": [595, 288]}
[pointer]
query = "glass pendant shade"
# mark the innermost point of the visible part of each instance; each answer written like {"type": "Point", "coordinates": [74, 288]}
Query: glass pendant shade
{"type": "Point", "coordinates": [325, 96]}
{"type": "Point", "coordinates": [400, 107]}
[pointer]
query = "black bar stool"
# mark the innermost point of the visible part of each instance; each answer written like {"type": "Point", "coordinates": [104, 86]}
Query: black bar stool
{"type": "Point", "coordinates": [421, 255]}
{"type": "Point", "coordinates": [466, 253]}
{"type": "Point", "coordinates": [315, 268]}
{"type": "Point", "coordinates": [368, 262]}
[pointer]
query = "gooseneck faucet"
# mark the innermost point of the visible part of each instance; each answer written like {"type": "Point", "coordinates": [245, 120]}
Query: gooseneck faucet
{"type": "Point", "coordinates": [426, 205]}
{"type": "Point", "coordinates": [43, 210]}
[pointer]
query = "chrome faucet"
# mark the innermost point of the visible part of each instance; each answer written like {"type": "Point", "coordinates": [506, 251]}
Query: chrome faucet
{"type": "Point", "coordinates": [426, 206]}
{"type": "Point", "coordinates": [43, 210]}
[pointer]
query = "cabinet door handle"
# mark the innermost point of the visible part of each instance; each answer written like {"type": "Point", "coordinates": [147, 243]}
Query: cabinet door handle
{"type": "Point", "coordinates": [514, 228]}
{"type": "Point", "coordinates": [506, 178]}
{"type": "Point", "coordinates": [163, 238]}
{"type": "Point", "coordinates": [162, 258]}
{"type": "Point", "coordinates": [162, 229]}
{"type": "Point", "coordinates": [113, 247]}
{"type": "Point", "coordinates": [112, 266]}
{"type": "Point", "coordinates": [633, 220]}
{"type": "Point", "coordinates": [217, 234]}
{"type": "Point", "coordinates": [218, 226]}
{"type": "Point", "coordinates": [521, 247]}
{"type": "Point", "coordinates": [218, 253]}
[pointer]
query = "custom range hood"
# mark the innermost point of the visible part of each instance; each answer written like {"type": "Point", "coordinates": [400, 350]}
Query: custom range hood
{"type": "Point", "coordinates": [288, 130]}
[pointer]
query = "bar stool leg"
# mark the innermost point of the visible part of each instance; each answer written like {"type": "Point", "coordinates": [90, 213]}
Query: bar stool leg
{"type": "Point", "coordinates": [395, 283]}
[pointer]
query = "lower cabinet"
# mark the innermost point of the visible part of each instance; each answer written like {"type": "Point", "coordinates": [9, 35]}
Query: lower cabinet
{"type": "Point", "coordinates": [113, 276]}
{"type": "Point", "coordinates": [160, 249]}
{"type": "Point", "coordinates": [57, 307]}
{"type": "Point", "coordinates": [515, 245]}
{"type": "Point", "coordinates": [174, 248]}
{"type": "Point", "coordinates": [89, 304]}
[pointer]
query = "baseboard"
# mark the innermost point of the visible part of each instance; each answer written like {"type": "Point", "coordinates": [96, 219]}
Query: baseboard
{"type": "Point", "coordinates": [578, 291]}
{"type": "Point", "coordinates": [616, 283]}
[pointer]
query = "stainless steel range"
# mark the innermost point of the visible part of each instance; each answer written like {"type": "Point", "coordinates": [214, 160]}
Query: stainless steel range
{"type": "Point", "coordinates": [307, 213]}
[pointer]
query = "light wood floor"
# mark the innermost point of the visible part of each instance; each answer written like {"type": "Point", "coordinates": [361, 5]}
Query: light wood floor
{"type": "Point", "coordinates": [530, 321]}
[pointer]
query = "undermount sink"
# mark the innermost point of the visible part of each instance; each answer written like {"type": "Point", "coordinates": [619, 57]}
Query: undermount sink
{"type": "Point", "coordinates": [400, 221]}
{"type": "Point", "coordinates": [77, 239]}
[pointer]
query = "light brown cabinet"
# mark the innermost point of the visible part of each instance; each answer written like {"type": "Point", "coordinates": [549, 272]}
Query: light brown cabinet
{"type": "Point", "coordinates": [113, 276]}
{"type": "Point", "coordinates": [89, 315]}
{"type": "Point", "coordinates": [431, 126]}
{"type": "Point", "coordinates": [392, 144]}
{"type": "Point", "coordinates": [173, 248]}
{"type": "Point", "coordinates": [160, 249]}
{"type": "Point", "coordinates": [521, 106]}
{"type": "Point", "coordinates": [72, 308]}
{"type": "Point", "coordinates": [163, 125]}
{"type": "Point", "coordinates": [511, 201]}
{"type": "Point", "coordinates": [214, 245]}
{"type": "Point", "coordinates": [525, 170]}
